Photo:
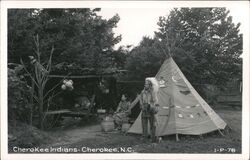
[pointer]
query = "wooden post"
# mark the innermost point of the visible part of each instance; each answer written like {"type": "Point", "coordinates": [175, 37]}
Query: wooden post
{"type": "Point", "coordinates": [201, 137]}
{"type": "Point", "coordinates": [39, 78]}
{"type": "Point", "coordinates": [32, 101]}
{"type": "Point", "coordinates": [177, 137]}
{"type": "Point", "coordinates": [134, 102]}
{"type": "Point", "coordinates": [221, 133]}
{"type": "Point", "coordinates": [41, 116]}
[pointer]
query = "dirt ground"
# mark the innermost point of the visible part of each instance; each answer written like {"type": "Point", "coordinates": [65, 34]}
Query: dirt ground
{"type": "Point", "coordinates": [77, 135]}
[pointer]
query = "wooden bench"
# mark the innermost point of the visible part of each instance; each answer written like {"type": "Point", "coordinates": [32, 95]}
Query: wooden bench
{"type": "Point", "coordinates": [57, 112]}
{"type": "Point", "coordinates": [68, 113]}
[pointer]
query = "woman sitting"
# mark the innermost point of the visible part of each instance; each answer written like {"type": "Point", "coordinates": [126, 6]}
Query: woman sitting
{"type": "Point", "coordinates": [122, 112]}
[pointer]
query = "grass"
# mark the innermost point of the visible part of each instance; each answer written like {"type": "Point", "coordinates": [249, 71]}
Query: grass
{"type": "Point", "coordinates": [76, 136]}
{"type": "Point", "coordinates": [23, 135]}
{"type": "Point", "coordinates": [210, 143]}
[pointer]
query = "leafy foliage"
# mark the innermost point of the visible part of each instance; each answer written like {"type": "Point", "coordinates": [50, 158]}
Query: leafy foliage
{"type": "Point", "coordinates": [204, 42]}
{"type": "Point", "coordinates": [24, 135]}
{"type": "Point", "coordinates": [18, 95]}
{"type": "Point", "coordinates": [145, 59]}
{"type": "Point", "coordinates": [79, 36]}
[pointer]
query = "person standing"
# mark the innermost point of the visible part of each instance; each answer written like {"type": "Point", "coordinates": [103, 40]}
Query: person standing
{"type": "Point", "coordinates": [148, 104]}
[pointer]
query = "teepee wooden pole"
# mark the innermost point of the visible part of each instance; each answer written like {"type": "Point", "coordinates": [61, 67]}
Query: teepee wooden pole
{"type": "Point", "coordinates": [221, 133]}
{"type": "Point", "coordinates": [177, 137]}
{"type": "Point", "coordinates": [201, 136]}
{"type": "Point", "coordinates": [132, 105]}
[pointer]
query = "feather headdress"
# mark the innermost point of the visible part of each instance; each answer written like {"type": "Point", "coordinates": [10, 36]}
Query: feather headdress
{"type": "Point", "coordinates": [155, 87]}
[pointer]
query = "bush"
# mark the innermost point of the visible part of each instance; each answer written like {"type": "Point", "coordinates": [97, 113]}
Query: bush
{"type": "Point", "coordinates": [18, 96]}
{"type": "Point", "coordinates": [23, 135]}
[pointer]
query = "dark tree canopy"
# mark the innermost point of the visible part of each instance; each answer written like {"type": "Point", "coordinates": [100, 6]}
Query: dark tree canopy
{"type": "Point", "coordinates": [145, 59]}
{"type": "Point", "coordinates": [204, 42]}
{"type": "Point", "coordinates": [81, 38]}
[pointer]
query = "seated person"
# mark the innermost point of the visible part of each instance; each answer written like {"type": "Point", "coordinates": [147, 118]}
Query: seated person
{"type": "Point", "coordinates": [82, 103]}
{"type": "Point", "coordinates": [122, 112]}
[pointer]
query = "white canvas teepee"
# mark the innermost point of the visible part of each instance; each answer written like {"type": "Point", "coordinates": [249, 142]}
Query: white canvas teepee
{"type": "Point", "coordinates": [182, 110]}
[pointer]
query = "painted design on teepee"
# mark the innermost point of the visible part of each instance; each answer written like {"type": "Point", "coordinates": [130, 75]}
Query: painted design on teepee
{"type": "Point", "coordinates": [179, 82]}
{"type": "Point", "coordinates": [174, 79]}
{"type": "Point", "coordinates": [162, 82]}
{"type": "Point", "coordinates": [178, 106]}
{"type": "Point", "coordinates": [199, 115]}
{"type": "Point", "coordinates": [175, 76]}
{"type": "Point", "coordinates": [205, 113]}
{"type": "Point", "coordinates": [191, 116]}
{"type": "Point", "coordinates": [165, 107]}
{"type": "Point", "coordinates": [185, 92]}
{"type": "Point", "coordinates": [180, 115]}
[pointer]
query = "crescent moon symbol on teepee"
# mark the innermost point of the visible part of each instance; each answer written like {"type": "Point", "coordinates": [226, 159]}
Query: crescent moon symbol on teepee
{"type": "Point", "coordinates": [174, 79]}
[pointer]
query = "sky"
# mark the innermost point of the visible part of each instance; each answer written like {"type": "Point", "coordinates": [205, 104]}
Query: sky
{"type": "Point", "coordinates": [138, 22]}
{"type": "Point", "coordinates": [135, 23]}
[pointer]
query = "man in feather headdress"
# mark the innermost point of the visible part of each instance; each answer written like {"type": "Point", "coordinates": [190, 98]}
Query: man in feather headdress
{"type": "Point", "coordinates": [149, 104]}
